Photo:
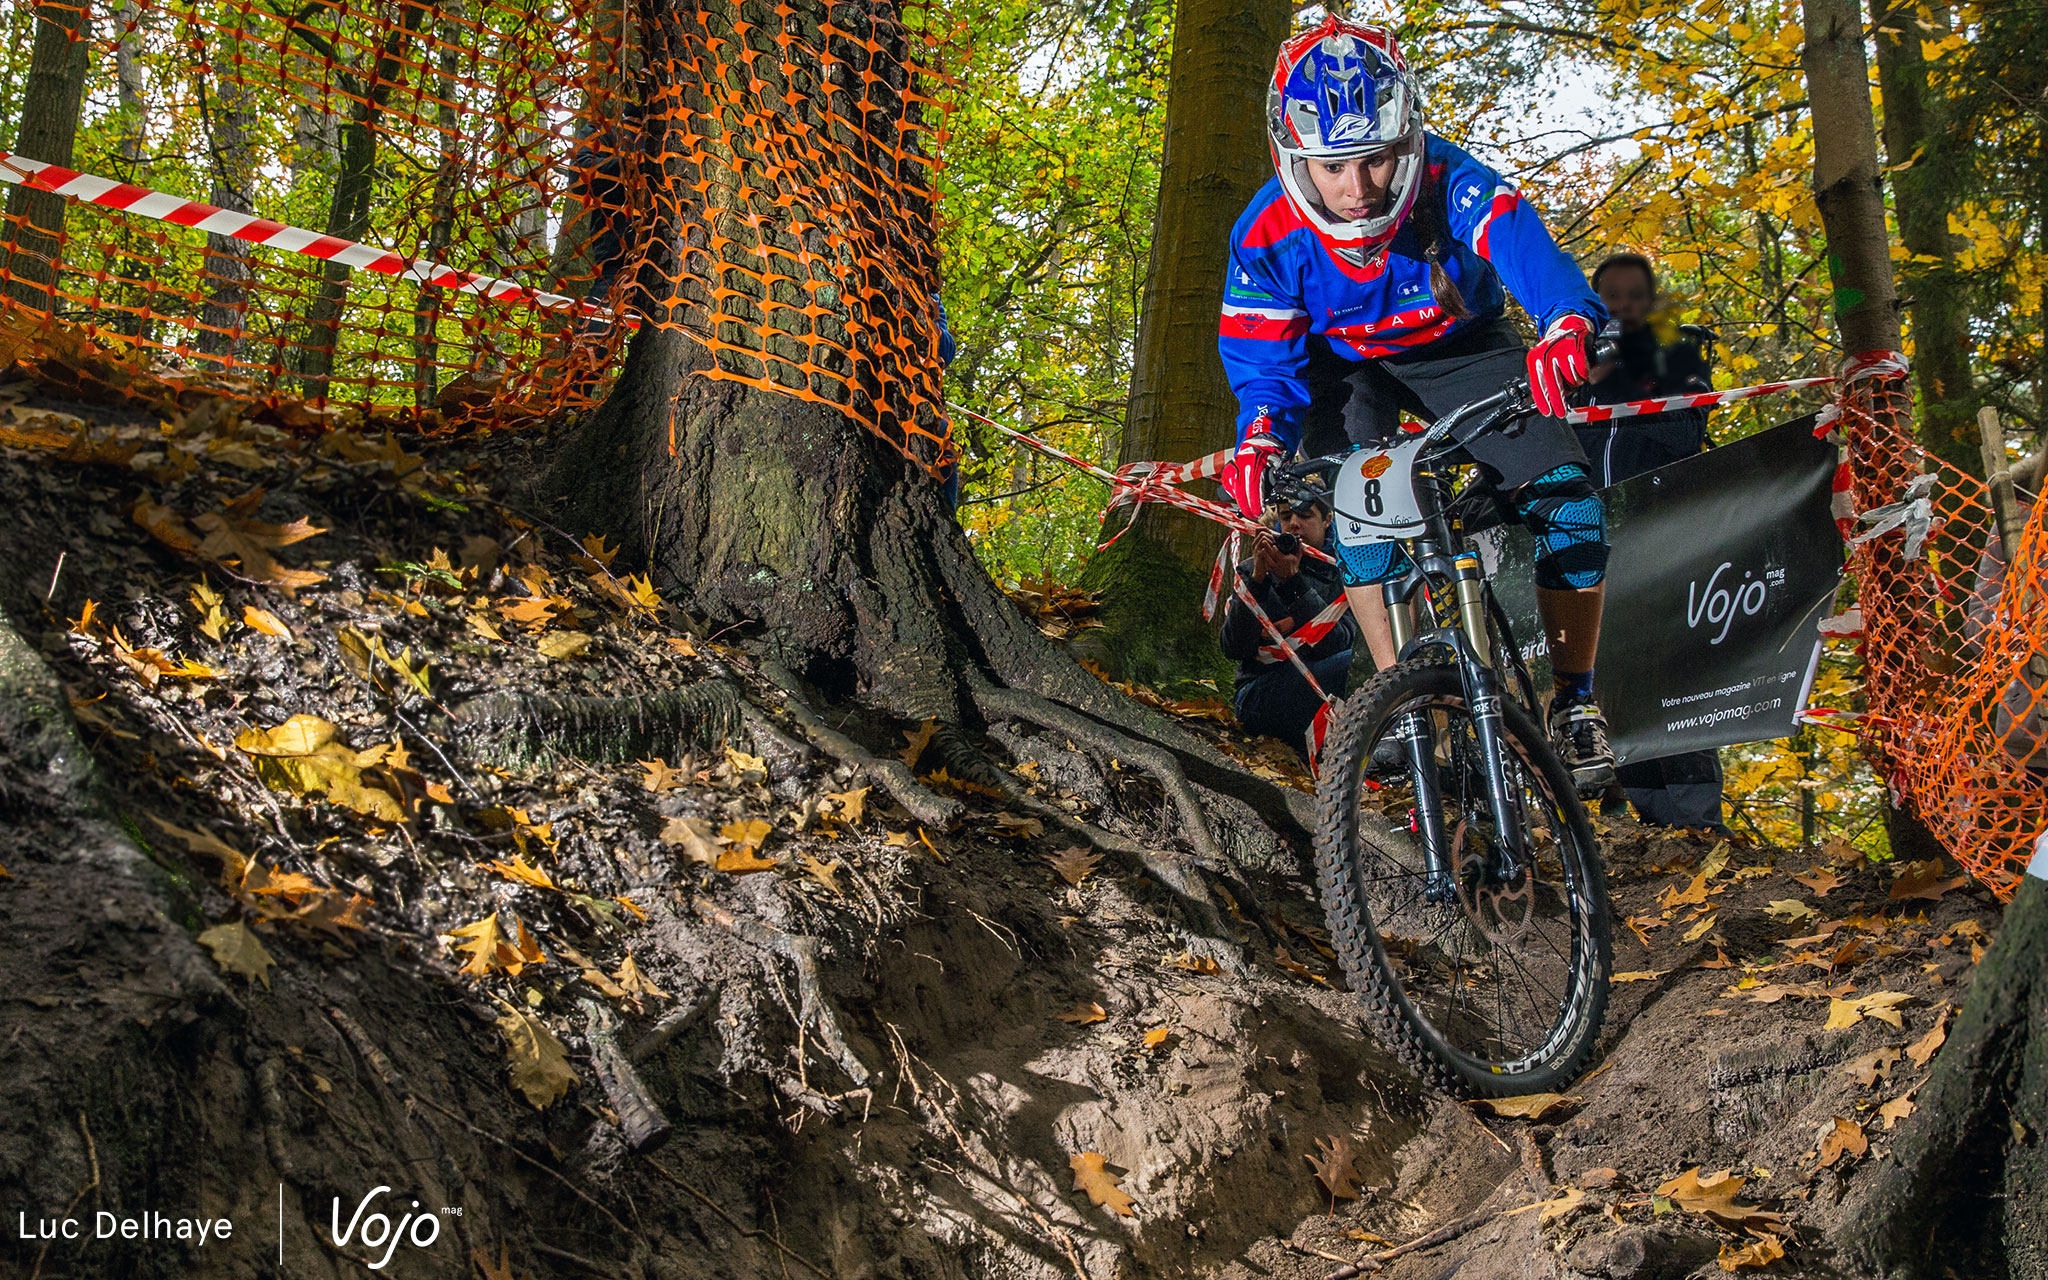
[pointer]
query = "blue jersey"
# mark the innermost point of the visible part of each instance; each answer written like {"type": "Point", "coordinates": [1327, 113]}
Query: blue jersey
{"type": "Point", "coordinates": [1285, 285]}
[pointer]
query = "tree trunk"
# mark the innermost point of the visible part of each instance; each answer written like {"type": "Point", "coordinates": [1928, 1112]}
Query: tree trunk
{"type": "Point", "coordinates": [431, 298]}
{"type": "Point", "coordinates": [1926, 160]}
{"type": "Point", "coordinates": [781, 521]}
{"type": "Point", "coordinates": [49, 128]}
{"type": "Point", "coordinates": [1960, 1192]}
{"type": "Point", "coordinates": [226, 266]}
{"type": "Point", "coordinates": [1217, 156]}
{"type": "Point", "coordinates": [1845, 177]}
{"type": "Point", "coordinates": [348, 214]}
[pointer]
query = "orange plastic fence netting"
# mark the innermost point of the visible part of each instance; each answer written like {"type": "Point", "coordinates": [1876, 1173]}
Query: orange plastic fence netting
{"type": "Point", "coordinates": [1954, 639]}
{"type": "Point", "coordinates": [756, 174]}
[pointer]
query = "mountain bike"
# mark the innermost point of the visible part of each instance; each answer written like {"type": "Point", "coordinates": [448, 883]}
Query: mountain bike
{"type": "Point", "coordinates": [1464, 890]}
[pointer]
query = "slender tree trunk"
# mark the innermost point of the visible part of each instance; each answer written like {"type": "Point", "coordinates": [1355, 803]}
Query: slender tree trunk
{"type": "Point", "coordinates": [49, 129]}
{"type": "Point", "coordinates": [426, 339]}
{"type": "Point", "coordinates": [1926, 160]}
{"type": "Point", "coordinates": [1217, 156]}
{"type": "Point", "coordinates": [1845, 177]}
{"type": "Point", "coordinates": [226, 266]}
{"type": "Point", "coordinates": [348, 214]}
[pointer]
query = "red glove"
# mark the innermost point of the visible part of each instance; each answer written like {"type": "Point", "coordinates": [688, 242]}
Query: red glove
{"type": "Point", "coordinates": [1244, 478]}
{"type": "Point", "coordinates": [1558, 363]}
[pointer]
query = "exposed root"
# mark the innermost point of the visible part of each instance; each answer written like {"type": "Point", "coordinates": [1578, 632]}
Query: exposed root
{"type": "Point", "coordinates": [515, 729]}
{"type": "Point", "coordinates": [1156, 761]}
{"type": "Point", "coordinates": [802, 953]}
{"type": "Point", "coordinates": [641, 1122]}
{"type": "Point", "coordinates": [893, 776]}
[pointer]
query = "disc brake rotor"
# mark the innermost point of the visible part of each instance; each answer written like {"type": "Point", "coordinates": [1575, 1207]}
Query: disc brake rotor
{"type": "Point", "coordinates": [1501, 910]}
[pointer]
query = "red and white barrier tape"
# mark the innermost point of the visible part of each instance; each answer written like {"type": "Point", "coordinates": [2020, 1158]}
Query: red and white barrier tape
{"type": "Point", "coordinates": [145, 203]}
{"type": "Point", "coordinates": [1598, 413]}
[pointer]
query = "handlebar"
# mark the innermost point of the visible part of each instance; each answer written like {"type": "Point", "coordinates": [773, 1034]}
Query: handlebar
{"type": "Point", "coordinates": [1493, 412]}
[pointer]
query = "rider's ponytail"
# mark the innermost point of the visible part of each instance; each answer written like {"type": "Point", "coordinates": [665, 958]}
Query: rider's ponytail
{"type": "Point", "coordinates": [1433, 231]}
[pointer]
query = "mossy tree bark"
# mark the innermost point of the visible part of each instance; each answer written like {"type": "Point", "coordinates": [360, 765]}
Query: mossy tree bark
{"type": "Point", "coordinates": [1961, 1191]}
{"type": "Point", "coordinates": [1181, 407]}
{"type": "Point", "coordinates": [49, 127]}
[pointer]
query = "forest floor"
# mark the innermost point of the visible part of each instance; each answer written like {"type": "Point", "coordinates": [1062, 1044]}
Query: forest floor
{"type": "Point", "coordinates": [365, 905]}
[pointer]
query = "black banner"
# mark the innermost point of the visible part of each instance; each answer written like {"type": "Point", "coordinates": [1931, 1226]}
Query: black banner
{"type": "Point", "coordinates": [1723, 566]}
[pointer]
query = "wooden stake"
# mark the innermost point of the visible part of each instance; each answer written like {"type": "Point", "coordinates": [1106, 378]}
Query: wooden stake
{"type": "Point", "coordinates": [1998, 479]}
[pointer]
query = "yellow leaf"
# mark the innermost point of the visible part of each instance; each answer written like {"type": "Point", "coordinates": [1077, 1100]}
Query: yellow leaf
{"type": "Point", "coordinates": [1156, 1037]}
{"type": "Point", "coordinates": [564, 644]}
{"type": "Point", "coordinates": [825, 873]}
{"type": "Point", "coordinates": [852, 804]}
{"type": "Point", "coordinates": [743, 764]}
{"type": "Point", "coordinates": [1693, 934]}
{"type": "Point", "coordinates": [488, 948]}
{"type": "Point", "coordinates": [1647, 975]}
{"type": "Point", "coordinates": [1844, 1137]}
{"type": "Point", "coordinates": [593, 545]}
{"type": "Point", "coordinates": [265, 621]}
{"type": "Point", "coordinates": [660, 777]}
{"type": "Point", "coordinates": [213, 618]}
{"type": "Point", "coordinates": [699, 842]}
{"type": "Point", "coordinates": [539, 1062]}
{"type": "Point", "coordinates": [482, 626]}
{"type": "Point", "coordinates": [1714, 1196]}
{"type": "Point", "coordinates": [520, 870]}
{"type": "Point", "coordinates": [742, 861]}
{"type": "Point", "coordinates": [1092, 1176]}
{"type": "Point", "coordinates": [1924, 1048]}
{"type": "Point", "coordinates": [237, 950]}
{"type": "Point", "coordinates": [635, 982]}
{"type": "Point", "coordinates": [918, 739]}
{"type": "Point", "coordinates": [301, 735]}
{"type": "Point", "coordinates": [1761, 1253]}
{"type": "Point", "coordinates": [234, 863]}
{"type": "Point", "coordinates": [1083, 1014]}
{"type": "Point", "coordinates": [748, 835]}
{"type": "Point", "coordinates": [1528, 1106]}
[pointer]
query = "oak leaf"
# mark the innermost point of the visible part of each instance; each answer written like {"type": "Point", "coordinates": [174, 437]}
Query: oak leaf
{"type": "Point", "coordinates": [1843, 1137]}
{"type": "Point", "coordinates": [1193, 963]}
{"type": "Point", "coordinates": [660, 777]}
{"type": "Point", "coordinates": [1896, 1110]}
{"type": "Point", "coordinates": [743, 764]}
{"type": "Point", "coordinates": [1714, 1196]}
{"type": "Point", "coordinates": [699, 842]}
{"type": "Point", "coordinates": [852, 804]}
{"type": "Point", "coordinates": [1094, 1177]}
{"type": "Point", "coordinates": [1338, 1168]}
{"type": "Point", "coordinates": [265, 621]}
{"type": "Point", "coordinates": [917, 739]}
{"type": "Point", "coordinates": [520, 870]}
{"type": "Point", "coordinates": [1010, 824]}
{"type": "Point", "coordinates": [1693, 895]}
{"type": "Point", "coordinates": [1819, 881]}
{"type": "Point", "coordinates": [539, 1061]}
{"type": "Point", "coordinates": [1760, 1253]}
{"type": "Point", "coordinates": [238, 950]}
{"type": "Point", "coordinates": [304, 755]}
{"type": "Point", "coordinates": [1924, 1048]}
{"type": "Point", "coordinates": [489, 949]}
{"type": "Point", "coordinates": [1924, 880]}
{"type": "Point", "coordinates": [1073, 864]}
{"type": "Point", "coordinates": [745, 839]}
{"type": "Point", "coordinates": [213, 614]}
{"type": "Point", "coordinates": [825, 873]}
{"type": "Point", "coordinates": [1872, 1067]}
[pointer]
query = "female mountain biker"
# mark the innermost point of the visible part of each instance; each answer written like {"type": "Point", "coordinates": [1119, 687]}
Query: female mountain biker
{"type": "Point", "coordinates": [1366, 278]}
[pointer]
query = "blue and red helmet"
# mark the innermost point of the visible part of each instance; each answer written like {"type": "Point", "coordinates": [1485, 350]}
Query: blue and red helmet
{"type": "Point", "coordinates": [1342, 90]}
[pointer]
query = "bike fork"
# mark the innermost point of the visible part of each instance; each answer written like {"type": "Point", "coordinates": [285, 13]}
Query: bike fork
{"type": "Point", "coordinates": [1483, 694]}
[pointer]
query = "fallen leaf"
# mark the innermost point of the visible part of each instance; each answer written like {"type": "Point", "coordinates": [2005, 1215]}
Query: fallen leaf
{"type": "Point", "coordinates": [1527, 1106]}
{"type": "Point", "coordinates": [213, 616]}
{"type": "Point", "coordinates": [1694, 894]}
{"type": "Point", "coordinates": [1156, 1037]}
{"type": "Point", "coordinates": [236, 949]}
{"type": "Point", "coordinates": [1761, 1253]}
{"type": "Point", "coordinates": [1924, 880]}
{"type": "Point", "coordinates": [482, 626]}
{"type": "Point", "coordinates": [1010, 824]}
{"type": "Point", "coordinates": [660, 777]}
{"type": "Point", "coordinates": [489, 949]}
{"type": "Point", "coordinates": [602, 981]}
{"type": "Point", "coordinates": [234, 863]}
{"type": "Point", "coordinates": [1844, 1137]}
{"type": "Point", "coordinates": [540, 1062]}
{"type": "Point", "coordinates": [1714, 1196]}
{"type": "Point", "coordinates": [1820, 881]}
{"type": "Point", "coordinates": [1790, 909]}
{"type": "Point", "coordinates": [918, 739]}
{"type": "Point", "coordinates": [825, 873]}
{"type": "Point", "coordinates": [1882, 1005]}
{"type": "Point", "coordinates": [304, 755]}
{"type": "Point", "coordinates": [748, 835]}
{"type": "Point", "coordinates": [265, 621]}
{"type": "Point", "coordinates": [231, 538]}
{"type": "Point", "coordinates": [1083, 1014]}
{"type": "Point", "coordinates": [1338, 1168]}
{"type": "Point", "coordinates": [1562, 1206]}
{"type": "Point", "coordinates": [635, 982]}
{"type": "Point", "coordinates": [741, 862]}
{"type": "Point", "coordinates": [563, 644]}
{"type": "Point", "coordinates": [518, 869]}
{"type": "Point", "coordinates": [1599, 1179]}
{"type": "Point", "coordinates": [1896, 1110]}
{"type": "Point", "coordinates": [165, 525]}
{"type": "Point", "coordinates": [852, 805]}
{"type": "Point", "coordinates": [1296, 967]}
{"type": "Point", "coordinates": [1700, 930]}
{"type": "Point", "coordinates": [1872, 1067]}
{"type": "Point", "coordinates": [1924, 1048]}
{"type": "Point", "coordinates": [1641, 926]}
{"type": "Point", "coordinates": [1091, 1175]}
{"type": "Point", "coordinates": [699, 842]}
{"type": "Point", "coordinates": [744, 764]}
{"type": "Point", "coordinates": [1193, 963]}
{"type": "Point", "coordinates": [1717, 860]}
{"type": "Point", "coordinates": [1073, 864]}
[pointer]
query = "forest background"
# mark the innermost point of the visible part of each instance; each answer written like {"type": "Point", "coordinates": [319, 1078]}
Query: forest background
{"type": "Point", "coordinates": [1677, 130]}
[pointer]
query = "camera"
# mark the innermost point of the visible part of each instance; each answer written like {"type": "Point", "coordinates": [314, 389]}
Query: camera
{"type": "Point", "coordinates": [1287, 544]}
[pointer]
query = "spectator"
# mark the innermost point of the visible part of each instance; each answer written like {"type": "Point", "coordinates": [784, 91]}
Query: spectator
{"type": "Point", "coordinates": [1682, 790]}
{"type": "Point", "coordinates": [1272, 698]}
{"type": "Point", "coordinates": [1644, 368]}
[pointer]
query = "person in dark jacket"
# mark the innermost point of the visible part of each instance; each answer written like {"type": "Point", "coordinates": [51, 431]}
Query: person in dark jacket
{"type": "Point", "coordinates": [1682, 790]}
{"type": "Point", "coordinates": [1644, 367]}
{"type": "Point", "coordinates": [1272, 698]}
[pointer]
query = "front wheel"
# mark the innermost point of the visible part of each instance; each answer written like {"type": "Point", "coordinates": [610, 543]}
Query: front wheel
{"type": "Point", "coordinates": [1485, 971]}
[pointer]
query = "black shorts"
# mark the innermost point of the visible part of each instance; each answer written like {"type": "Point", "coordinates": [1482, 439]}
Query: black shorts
{"type": "Point", "coordinates": [1361, 402]}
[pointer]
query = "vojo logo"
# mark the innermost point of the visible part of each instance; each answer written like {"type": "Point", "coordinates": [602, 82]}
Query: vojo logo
{"type": "Point", "coordinates": [1721, 601]}
{"type": "Point", "coordinates": [376, 1231]}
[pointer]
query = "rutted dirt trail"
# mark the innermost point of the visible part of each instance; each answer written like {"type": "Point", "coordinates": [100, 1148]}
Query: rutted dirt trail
{"type": "Point", "coordinates": [486, 933]}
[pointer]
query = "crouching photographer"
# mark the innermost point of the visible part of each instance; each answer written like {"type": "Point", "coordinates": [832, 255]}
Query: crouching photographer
{"type": "Point", "coordinates": [1292, 588]}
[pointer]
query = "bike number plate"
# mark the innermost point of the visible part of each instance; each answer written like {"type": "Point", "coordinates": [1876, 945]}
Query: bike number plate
{"type": "Point", "coordinates": [1375, 495]}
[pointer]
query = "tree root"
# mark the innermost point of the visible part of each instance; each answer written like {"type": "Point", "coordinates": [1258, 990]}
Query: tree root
{"type": "Point", "coordinates": [1156, 761]}
{"type": "Point", "coordinates": [513, 730]}
{"type": "Point", "coordinates": [802, 953]}
{"type": "Point", "coordinates": [641, 1122]}
{"type": "Point", "coordinates": [920, 801]}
